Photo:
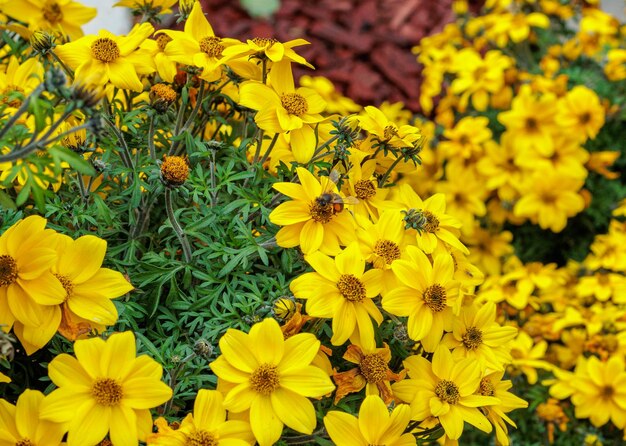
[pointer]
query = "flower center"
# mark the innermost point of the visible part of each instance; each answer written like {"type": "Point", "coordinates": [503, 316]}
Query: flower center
{"type": "Point", "coordinates": [162, 41]}
{"type": "Point", "coordinates": [264, 379]}
{"type": "Point", "coordinates": [421, 220]}
{"type": "Point", "coordinates": [107, 392]}
{"type": "Point", "coordinates": [265, 42]}
{"type": "Point", "coordinates": [105, 50]}
{"type": "Point", "coordinates": [67, 284]}
{"type": "Point", "coordinates": [212, 46]}
{"type": "Point", "coordinates": [52, 13]}
{"type": "Point", "coordinates": [435, 298]}
{"type": "Point", "coordinates": [16, 100]}
{"type": "Point", "coordinates": [531, 124]}
{"type": "Point", "coordinates": [8, 270]}
{"type": "Point", "coordinates": [486, 387]}
{"type": "Point", "coordinates": [585, 118]}
{"type": "Point", "coordinates": [294, 103]}
{"type": "Point", "coordinates": [388, 250]}
{"type": "Point", "coordinates": [351, 288]}
{"type": "Point", "coordinates": [174, 170]}
{"type": "Point", "coordinates": [390, 131]}
{"type": "Point", "coordinates": [364, 189]}
{"type": "Point", "coordinates": [24, 442]}
{"type": "Point", "coordinates": [447, 391]}
{"type": "Point", "coordinates": [607, 392]}
{"type": "Point", "coordinates": [472, 338]}
{"type": "Point", "coordinates": [321, 211]}
{"type": "Point", "coordinates": [202, 438]}
{"type": "Point", "coordinates": [373, 367]}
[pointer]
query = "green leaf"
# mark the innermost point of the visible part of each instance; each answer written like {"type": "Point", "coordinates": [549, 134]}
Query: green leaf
{"type": "Point", "coordinates": [6, 202]}
{"type": "Point", "coordinates": [76, 162]}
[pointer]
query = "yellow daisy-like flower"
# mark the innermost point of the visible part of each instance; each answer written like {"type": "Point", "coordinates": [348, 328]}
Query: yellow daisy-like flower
{"type": "Point", "coordinates": [427, 295]}
{"type": "Point", "coordinates": [531, 120]}
{"type": "Point", "coordinates": [106, 388]}
{"type": "Point", "coordinates": [281, 107]}
{"type": "Point", "coordinates": [197, 45]}
{"type": "Point", "coordinates": [580, 113]}
{"type": "Point", "coordinates": [371, 373]}
{"type": "Point", "coordinates": [445, 389]}
{"type": "Point", "coordinates": [528, 356]}
{"type": "Point", "coordinates": [493, 385]}
{"type": "Point", "coordinates": [598, 390]}
{"type": "Point", "coordinates": [268, 49]}
{"type": "Point", "coordinates": [18, 80]}
{"type": "Point", "coordinates": [207, 426]}
{"type": "Point", "coordinates": [341, 289]}
{"type": "Point", "coordinates": [64, 16]}
{"type": "Point", "coordinates": [476, 335]}
{"type": "Point", "coordinates": [362, 184]}
{"type": "Point", "coordinates": [550, 199]}
{"type": "Point", "coordinates": [374, 426]}
{"type": "Point", "coordinates": [270, 378]}
{"type": "Point", "coordinates": [384, 130]}
{"type": "Point", "coordinates": [382, 243]}
{"type": "Point", "coordinates": [427, 219]}
{"type": "Point", "coordinates": [467, 139]}
{"type": "Point", "coordinates": [310, 220]}
{"type": "Point", "coordinates": [107, 58]}
{"type": "Point", "coordinates": [21, 424]}
{"type": "Point", "coordinates": [89, 287]}
{"type": "Point", "coordinates": [29, 293]}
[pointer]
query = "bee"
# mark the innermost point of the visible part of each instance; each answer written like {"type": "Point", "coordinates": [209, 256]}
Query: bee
{"type": "Point", "coordinates": [284, 308]}
{"type": "Point", "coordinates": [328, 197]}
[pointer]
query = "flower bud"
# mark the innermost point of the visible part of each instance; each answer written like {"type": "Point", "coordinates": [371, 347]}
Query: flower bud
{"type": "Point", "coordinates": [174, 170]}
{"type": "Point", "coordinates": [161, 97]}
{"type": "Point", "coordinates": [185, 7]}
{"type": "Point", "coordinates": [41, 42]}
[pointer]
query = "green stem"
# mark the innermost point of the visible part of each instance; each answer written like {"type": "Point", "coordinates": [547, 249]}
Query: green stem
{"type": "Point", "coordinates": [125, 152]}
{"type": "Point", "coordinates": [383, 179]}
{"type": "Point", "coordinates": [269, 149]}
{"type": "Point", "coordinates": [69, 72]}
{"type": "Point", "coordinates": [151, 139]}
{"type": "Point", "coordinates": [182, 237]}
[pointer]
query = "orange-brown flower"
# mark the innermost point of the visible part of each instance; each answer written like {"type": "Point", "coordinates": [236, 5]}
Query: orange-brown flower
{"type": "Point", "coordinates": [372, 372]}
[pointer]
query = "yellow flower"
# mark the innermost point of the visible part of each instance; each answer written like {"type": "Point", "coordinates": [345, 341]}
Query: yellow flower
{"type": "Point", "coordinates": [341, 289]}
{"type": "Point", "coordinates": [197, 45]}
{"type": "Point", "coordinates": [531, 120]}
{"type": "Point", "coordinates": [603, 286]}
{"type": "Point", "coordinates": [568, 158]}
{"type": "Point", "coordinates": [206, 426]}
{"type": "Point", "coordinates": [310, 221]}
{"type": "Point", "coordinates": [476, 335]}
{"type": "Point", "coordinates": [374, 426]}
{"type": "Point", "coordinates": [499, 168]}
{"type": "Point", "coordinates": [382, 243]}
{"type": "Point", "coordinates": [580, 113]}
{"type": "Point", "coordinates": [477, 77]}
{"type": "Point", "coordinates": [493, 385]}
{"type": "Point", "coordinates": [487, 248]}
{"type": "Point", "coordinates": [427, 295]}
{"type": "Point", "coordinates": [89, 287]}
{"type": "Point", "coordinates": [267, 49]}
{"type": "Point", "coordinates": [283, 108]}
{"type": "Point", "coordinates": [516, 27]}
{"type": "Point", "coordinates": [361, 184]}
{"type": "Point", "coordinates": [385, 131]}
{"type": "Point", "coordinates": [372, 372]}
{"type": "Point", "coordinates": [107, 58]}
{"type": "Point", "coordinates": [445, 389]}
{"type": "Point", "coordinates": [270, 378]}
{"type": "Point", "coordinates": [63, 16]}
{"type": "Point", "coordinates": [528, 356]}
{"type": "Point", "coordinates": [599, 391]}
{"type": "Point", "coordinates": [106, 388]}
{"type": "Point", "coordinates": [434, 229]}
{"type": "Point", "coordinates": [467, 138]}
{"type": "Point", "coordinates": [18, 80]}
{"type": "Point", "coordinates": [21, 424]}
{"type": "Point", "coordinates": [550, 200]}
{"type": "Point", "coordinates": [163, 61]}
{"type": "Point", "coordinates": [29, 293]}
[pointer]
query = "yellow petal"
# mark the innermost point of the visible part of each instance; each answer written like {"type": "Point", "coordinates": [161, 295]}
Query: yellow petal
{"type": "Point", "coordinates": [309, 381]}
{"type": "Point", "coordinates": [65, 370]}
{"type": "Point", "coordinates": [104, 283]}
{"type": "Point", "coordinates": [208, 409]}
{"type": "Point", "coordinates": [265, 424]}
{"type": "Point", "coordinates": [123, 426]}
{"type": "Point", "coordinates": [294, 410]}
{"type": "Point", "coordinates": [63, 404]}
{"type": "Point", "coordinates": [300, 350]}
{"type": "Point", "coordinates": [373, 418]}
{"type": "Point", "coordinates": [268, 342]}
{"type": "Point", "coordinates": [343, 429]}
{"type": "Point", "coordinates": [82, 258]}
{"type": "Point", "coordinates": [235, 347]}
{"type": "Point", "coordinates": [145, 393]}
{"type": "Point", "coordinates": [89, 425]}
{"type": "Point", "coordinates": [311, 236]}
{"type": "Point", "coordinates": [123, 75]}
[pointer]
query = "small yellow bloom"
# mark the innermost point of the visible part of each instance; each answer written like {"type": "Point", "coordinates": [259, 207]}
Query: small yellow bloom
{"type": "Point", "coordinates": [106, 388]}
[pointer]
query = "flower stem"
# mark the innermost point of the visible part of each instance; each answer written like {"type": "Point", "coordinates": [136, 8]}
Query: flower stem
{"type": "Point", "coordinates": [182, 237]}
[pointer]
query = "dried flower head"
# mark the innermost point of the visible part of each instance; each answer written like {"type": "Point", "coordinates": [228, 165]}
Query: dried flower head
{"type": "Point", "coordinates": [174, 170]}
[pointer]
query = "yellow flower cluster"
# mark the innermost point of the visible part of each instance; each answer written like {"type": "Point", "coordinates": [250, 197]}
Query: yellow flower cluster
{"type": "Point", "coordinates": [50, 282]}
